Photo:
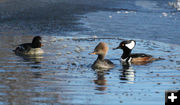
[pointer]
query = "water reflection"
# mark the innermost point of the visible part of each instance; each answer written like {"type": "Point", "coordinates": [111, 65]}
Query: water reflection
{"type": "Point", "coordinates": [128, 73]}
{"type": "Point", "coordinates": [58, 79]}
{"type": "Point", "coordinates": [16, 87]}
{"type": "Point", "coordinates": [101, 81]}
{"type": "Point", "coordinates": [33, 60]}
{"type": "Point", "coordinates": [175, 4]}
{"type": "Point", "coordinates": [26, 88]}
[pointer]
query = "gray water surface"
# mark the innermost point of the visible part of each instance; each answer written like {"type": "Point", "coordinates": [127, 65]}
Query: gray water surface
{"type": "Point", "coordinates": [63, 74]}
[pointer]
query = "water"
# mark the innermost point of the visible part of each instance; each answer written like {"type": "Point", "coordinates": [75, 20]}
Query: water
{"type": "Point", "coordinates": [63, 75]}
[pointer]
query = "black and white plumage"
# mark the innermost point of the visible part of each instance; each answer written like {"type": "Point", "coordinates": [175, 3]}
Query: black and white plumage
{"type": "Point", "coordinates": [33, 48]}
{"type": "Point", "coordinates": [135, 58]}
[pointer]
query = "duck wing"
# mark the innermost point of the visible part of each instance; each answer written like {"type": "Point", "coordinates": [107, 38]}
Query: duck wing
{"type": "Point", "coordinates": [24, 47]}
{"type": "Point", "coordinates": [109, 62]}
{"type": "Point", "coordinates": [136, 55]}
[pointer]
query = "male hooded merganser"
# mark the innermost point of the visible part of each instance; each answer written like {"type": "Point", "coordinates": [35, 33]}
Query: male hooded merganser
{"type": "Point", "coordinates": [33, 48]}
{"type": "Point", "coordinates": [136, 58]}
{"type": "Point", "coordinates": [101, 50]}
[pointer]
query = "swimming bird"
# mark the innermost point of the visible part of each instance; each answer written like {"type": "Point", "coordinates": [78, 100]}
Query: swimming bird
{"type": "Point", "coordinates": [101, 50]}
{"type": "Point", "coordinates": [134, 58]}
{"type": "Point", "coordinates": [33, 48]}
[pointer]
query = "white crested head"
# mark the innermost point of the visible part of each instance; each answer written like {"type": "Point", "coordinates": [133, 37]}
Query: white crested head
{"type": "Point", "coordinates": [131, 45]}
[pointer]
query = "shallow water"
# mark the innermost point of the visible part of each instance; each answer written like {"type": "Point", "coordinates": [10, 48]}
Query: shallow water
{"type": "Point", "coordinates": [70, 31]}
{"type": "Point", "coordinates": [63, 74]}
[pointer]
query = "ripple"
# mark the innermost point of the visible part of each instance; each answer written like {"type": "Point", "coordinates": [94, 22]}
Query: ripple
{"type": "Point", "coordinates": [68, 78]}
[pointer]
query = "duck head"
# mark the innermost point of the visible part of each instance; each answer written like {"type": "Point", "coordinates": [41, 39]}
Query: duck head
{"type": "Point", "coordinates": [126, 45]}
{"type": "Point", "coordinates": [101, 50]}
{"type": "Point", "coordinates": [36, 42]}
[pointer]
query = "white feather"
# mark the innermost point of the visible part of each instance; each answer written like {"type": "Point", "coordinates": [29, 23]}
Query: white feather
{"type": "Point", "coordinates": [35, 51]}
{"type": "Point", "coordinates": [130, 45]}
{"type": "Point", "coordinates": [125, 59]}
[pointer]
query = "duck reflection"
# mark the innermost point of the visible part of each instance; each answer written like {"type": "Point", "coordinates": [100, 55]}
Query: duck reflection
{"type": "Point", "coordinates": [128, 73]}
{"type": "Point", "coordinates": [33, 60]}
{"type": "Point", "coordinates": [101, 81]}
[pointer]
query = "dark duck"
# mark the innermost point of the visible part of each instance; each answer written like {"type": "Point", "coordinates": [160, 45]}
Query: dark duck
{"type": "Point", "coordinates": [33, 48]}
{"type": "Point", "coordinates": [134, 58]}
{"type": "Point", "coordinates": [101, 50]}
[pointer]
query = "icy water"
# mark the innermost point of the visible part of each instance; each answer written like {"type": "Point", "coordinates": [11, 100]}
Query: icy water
{"type": "Point", "coordinates": [70, 30]}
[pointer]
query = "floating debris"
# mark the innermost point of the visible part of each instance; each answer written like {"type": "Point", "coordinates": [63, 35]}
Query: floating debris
{"type": "Point", "coordinates": [157, 92]}
{"type": "Point", "coordinates": [77, 50]}
{"type": "Point", "coordinates": [126, 12]}
{"type": "Point", "coordinates": [73, 63]}
{"type": "Point", "coordinates": [165, 14]}
{"type": "Point", "coordinates": [59, 54]}
{"type": "Point", "coordinates": [44, 41]}
{"type": "Point", "coordinates": [69, 52]}
{"type": "Point", "coordinates": [53, 40]}
{"type": "Point", "coordinates": [118, 12]}
{"type": "Point", "coordinates": [178, 62]}
{"type": "Point", "coordinates": [174, 82]}
{"type": "Point", "coordinates": [94, 37]}
{"type": "Point", "coordinates": [158, 83]}
{"type": "Point", "coordinates": [81, 48]}
{"type": "Point", "coordinates": [60, 39]}
{"type": "Point", "coordinates": [74, 38]}
{"type": "Point", "coordinates": [65, 46]}
{"type": "Point", "coordinates": [110, 16]}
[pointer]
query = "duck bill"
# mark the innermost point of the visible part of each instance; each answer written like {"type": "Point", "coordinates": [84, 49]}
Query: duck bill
{"type": "Point", "coordinates": [42, 45]}
{"type": "Point", "coordinates": [117, 48]}
{"type": "Point", "coordinates": [93, 53]}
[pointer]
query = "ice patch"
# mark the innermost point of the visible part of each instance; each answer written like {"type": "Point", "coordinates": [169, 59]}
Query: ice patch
{"type": "Point", "coordinates": [165, 14]}
{"type": "Point", "coordinates": [110, 17]}
{"type": "Point", "coordinates": [175, 4]}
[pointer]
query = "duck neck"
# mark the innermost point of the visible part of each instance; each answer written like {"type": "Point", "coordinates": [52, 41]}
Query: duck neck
{"type": "Point", "coordinates": [100, 57]}
{"type": "Point", "coordinates": [36, 44]}
{"type": "Point", "coordinates": [126, 53]}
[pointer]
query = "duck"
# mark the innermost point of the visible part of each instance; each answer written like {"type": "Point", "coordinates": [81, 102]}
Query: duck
{"type": "Point", "coordinates": [101, 63]}
{"type": "Point", "coordinates": [33, 48]}
{"type": "Point", "coordinates": [135, 58]}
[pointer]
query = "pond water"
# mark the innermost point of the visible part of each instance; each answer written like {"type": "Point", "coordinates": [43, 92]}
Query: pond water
{"type": "Point", "coordinates": [63, 75]}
